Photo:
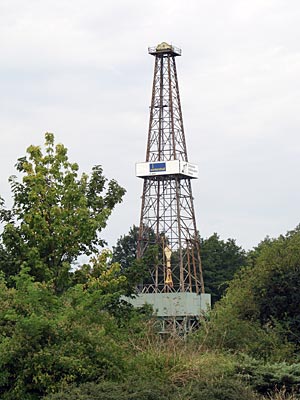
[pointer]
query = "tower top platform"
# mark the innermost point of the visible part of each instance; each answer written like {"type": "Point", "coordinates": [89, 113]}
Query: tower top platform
{"type": "Point", "coordinates": [164, 48]}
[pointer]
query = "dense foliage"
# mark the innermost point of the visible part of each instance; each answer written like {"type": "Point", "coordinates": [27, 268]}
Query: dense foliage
{"type": "Point", "coordinates": [50, 341]}
{"type": "Point", "coordinates": [261, 310]}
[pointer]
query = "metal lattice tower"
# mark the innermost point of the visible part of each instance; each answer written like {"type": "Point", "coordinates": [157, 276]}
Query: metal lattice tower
{"type": "Point", "coordinates": [167, 213]}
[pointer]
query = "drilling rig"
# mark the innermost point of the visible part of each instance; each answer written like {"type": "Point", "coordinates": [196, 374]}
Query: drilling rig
{"type": "Point", "coordinates": [175, 286]}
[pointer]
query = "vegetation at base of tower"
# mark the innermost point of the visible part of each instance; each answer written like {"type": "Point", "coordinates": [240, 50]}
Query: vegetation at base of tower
{"type": "Point", "coordinates": [220, 259]}
{"type": "Point", "coordinates": [69, 334]}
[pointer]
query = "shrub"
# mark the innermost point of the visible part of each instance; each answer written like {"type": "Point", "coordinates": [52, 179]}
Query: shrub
{"type": "Point", "coordinates": [268, 377]}
{"type": "Point", "coordinates": [108, 390]}
{"type": "Point", "coordinates": [223, 389]}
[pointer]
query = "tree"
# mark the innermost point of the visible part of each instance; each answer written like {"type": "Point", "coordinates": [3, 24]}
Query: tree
{"type": "Point", "coordinates": [56, 215]}
{"type": "Point", "coordinates": [221, 260]}
{"type": "Point", "coordinates": [125, 250]}
{"type": "Point", "coordinates": [276, 285]}
{"type": "Point", "coordinates": [260, 312]}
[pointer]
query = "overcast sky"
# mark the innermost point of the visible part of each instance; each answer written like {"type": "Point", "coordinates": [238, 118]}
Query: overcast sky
{"type": "Point", "coordinates": [80, 69]}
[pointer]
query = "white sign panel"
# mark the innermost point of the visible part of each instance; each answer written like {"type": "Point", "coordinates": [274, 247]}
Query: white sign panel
{"type": "Point", "coordinates": [173, 167]}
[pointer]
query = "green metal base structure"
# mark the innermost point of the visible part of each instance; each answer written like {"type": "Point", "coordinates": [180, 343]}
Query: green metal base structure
{"type": "Point", "coordinates": [176, 313]}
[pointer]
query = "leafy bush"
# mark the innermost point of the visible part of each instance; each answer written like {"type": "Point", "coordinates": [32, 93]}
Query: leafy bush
{"type": "Point", "coordinates": [266, 377]}
{"type": "Point", "coordinates": [227, 331]}
{"type": "Point", "coordinates": [48, 341]}
{"type": "Point", "coordinates": [224, 389]}
{"type": "Point", "coordinates": [108, 390]}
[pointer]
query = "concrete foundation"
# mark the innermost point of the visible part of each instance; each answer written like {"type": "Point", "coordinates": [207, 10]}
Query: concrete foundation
{"type": "Point", "coordinates": [174, 304]}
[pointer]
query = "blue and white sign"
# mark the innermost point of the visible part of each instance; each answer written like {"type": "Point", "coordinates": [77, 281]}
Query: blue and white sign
{"type": "Point", "coordinates": [183, 169]}
{"type": "Point", "coordinates": [157, 167]}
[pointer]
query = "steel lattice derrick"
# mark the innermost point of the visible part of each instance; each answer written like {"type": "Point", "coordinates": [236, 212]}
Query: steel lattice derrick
{"type": "Point", "coordinates": [167, 140]}
{"type": "Point", "coordinates": [167, 217]}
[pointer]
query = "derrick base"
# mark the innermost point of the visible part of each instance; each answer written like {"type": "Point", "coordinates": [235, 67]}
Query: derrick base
{"type": "Point", "coordinates": [178, 305]}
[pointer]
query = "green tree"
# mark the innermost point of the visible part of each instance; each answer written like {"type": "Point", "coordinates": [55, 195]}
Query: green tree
{"type": "Point", "coordinates": [260, 312]}
{"type": "Point", "coordinates": [56, 216]}
{"type": "Point", "coordinates": [124, 252]}
{"type": "Point", "coordinates": [276, 288]}
{"type": "Point", "coordinates": [221, 260]}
